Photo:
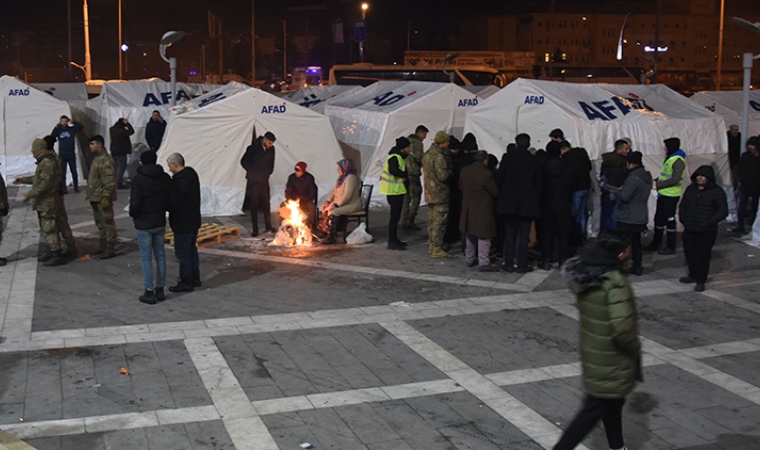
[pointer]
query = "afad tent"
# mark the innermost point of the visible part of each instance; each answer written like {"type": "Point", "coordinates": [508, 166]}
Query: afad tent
{"type": "Point", "coordinates": [316, 98]}
{"type": "Point", "coordinates": [213, 131]}
{"type": "Point", "coordinates": [594, 116]}
{"type": "Point", "coordinates": [367, 123]}
{"type": "Point", "coordinates": [482, 91]}
{"type": "Point", "coordinates": [26, 114]}
{"type": "Point", "coordinates": [728, 105]}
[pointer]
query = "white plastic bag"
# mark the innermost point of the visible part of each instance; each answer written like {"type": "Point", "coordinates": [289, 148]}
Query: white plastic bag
{"type": "Point", "coordinates": [359, 235]}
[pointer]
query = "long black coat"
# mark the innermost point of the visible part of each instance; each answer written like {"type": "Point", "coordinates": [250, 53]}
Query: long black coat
{"type": "Point", "coordinates": [121, 145]}
{"type": "Point", "coordinates": [149, 197]}
{"type": "Point", "coordinates": [519, 179]}
{"type": "Point", "coordinates": [703, 209]}
{"type": "Point", "coordinates": [185, 202]}
{"type": "Point", "coordinates": [578, 158]}
{"type": "Point", "coordinates": [479, 190]}
{"type": "Point", "coordinates": [558, 186]}
{"type": "Point", "coordinates": [258, 164]}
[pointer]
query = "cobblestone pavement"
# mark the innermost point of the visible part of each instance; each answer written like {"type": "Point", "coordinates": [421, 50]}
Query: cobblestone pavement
{"type": "Point", "coordinates": [284, 347]}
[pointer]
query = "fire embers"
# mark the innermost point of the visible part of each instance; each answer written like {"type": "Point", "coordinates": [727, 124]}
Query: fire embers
{"type": "Point", "coordinates": [293, 231]}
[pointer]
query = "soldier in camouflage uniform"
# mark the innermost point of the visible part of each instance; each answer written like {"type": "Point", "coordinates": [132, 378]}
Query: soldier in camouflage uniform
{"type": "Point", "coordinates": [61, 217]}
{"type": "Point", "coordinates": [414, 173]}
{"type": "Point", "coordinates": [437, 195]}
{"type": "Point", "coordinates": [46, 183]}
{"type": "Point", "coordinates": [3, 212]}
{"type": "Point", "coordinates": [101, 193]}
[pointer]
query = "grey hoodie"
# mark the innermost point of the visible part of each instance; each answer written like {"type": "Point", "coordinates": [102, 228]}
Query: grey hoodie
{"type": "Point", "coordinates": [633, 197]}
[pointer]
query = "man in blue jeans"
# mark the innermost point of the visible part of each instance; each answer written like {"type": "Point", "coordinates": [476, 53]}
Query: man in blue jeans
{"type": "Point", "coordinates": [65, 133]}
{"type": "Point", "coordinates": [148, 203]}
{"type": "Point", "coordinates": [185, 220]}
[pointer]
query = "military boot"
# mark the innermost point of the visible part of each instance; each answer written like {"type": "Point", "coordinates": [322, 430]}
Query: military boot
{"type": "Point", "coordinates": [148, 298]}
{"type": "Point", "coordinates": [55, 259]}
{"type": "Point", "coordinates": [46, 255]}
{"type": "Point", "coordinates": [439, 253]}
{"type": "Point", "coordinates": [100, 248]}
{"type": "Point", "coordinates": [430, 249]}
{"type": "Point", "coordinates": [108, 253]}
{"type": "Point", "coordinates": [71, 250]}
{"type": "Point", "coordinates": [3, 262]}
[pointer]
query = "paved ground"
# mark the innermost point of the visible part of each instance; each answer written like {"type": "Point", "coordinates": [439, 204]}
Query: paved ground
{"type": "Point", "coordinates": [283, 347]}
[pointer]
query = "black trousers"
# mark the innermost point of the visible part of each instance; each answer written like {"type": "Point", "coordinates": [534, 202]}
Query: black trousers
{"type": "Point", "coordinates": [611, 413]}
{"type": "Point", "coordinates": [397, 204]}
{"type": "Point", "coordinates": [634, 233]}
{"type": "Point", "coordinates": [70, 161]}
{"type": "Point", "coordinates": [258, 192]}
{"type": "Point", "coordinates": [697, 248]}
{"type": "Point", "coordinates": [555, 229]}
{"type": "Point", "coordinates": [516, 235]}
{"type": "Point", "coordinates": [665, 218]}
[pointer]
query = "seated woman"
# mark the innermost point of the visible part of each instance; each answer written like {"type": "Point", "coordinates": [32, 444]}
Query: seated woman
{"type": "Point", "coordinates": [302, 189]}
{"type": "Point", "coordinates": [345, 198]}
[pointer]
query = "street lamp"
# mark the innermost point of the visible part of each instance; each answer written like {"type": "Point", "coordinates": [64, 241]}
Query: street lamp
{"type": "Point", "coordinates": [87, 67]}
{"type": "Point", "coordinates": [124, 48]}
{"type": "Point", "coordinates": [167, 40]}
{"type": "Point", "coordinates": [747, 62]}
{"type": "Point", "coordinates": [365, 7]}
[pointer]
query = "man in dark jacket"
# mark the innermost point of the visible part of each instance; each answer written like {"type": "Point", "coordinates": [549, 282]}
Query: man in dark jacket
{"type": "Point", "coordinates": [734, 152]}
{"type": "Point", "coordinates": [477, 221]}
{"type": "Point", "coordinates": [612, 173]}
{"type": "Point", "coordinates": [577, 158]}
{"type": "Point", "coordinates": [258, 162]}
{"type": "Point", "coordinates": [301, 188]}
{"type": "Point", "coordinates": [66, 133]}
{"type": "Point", "coordinates": [702, 208]}
{"type": "Point", "coordinates": [749, 183]}
{"type": "Point", "coordinates": [121, 148]}
{"type": "Point", "coordinates": [555, 205]}
{"type": "Point", "coordinates": [154, 130]}
{"type": "Point", "coordinates": [519, 203]}
{"type": "Point", "coordinates": [456, 159]}
{"type": "Point", "coordinates": [3, 212]}
{"type": "Point", "coordinates": [148, 203]}
{"type": "Point", "coordinates": [394, 184]}
{"type": "Point", "coordinates": [185, 220]}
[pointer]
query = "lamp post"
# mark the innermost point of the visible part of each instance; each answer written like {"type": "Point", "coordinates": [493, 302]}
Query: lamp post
{"type": "Point", "coordinates": [167, 40]}
{"type": "Point", "coordinates": [747, 61]}
{"type": "Point", "coordinates": [365, 6]}
{"type": "Point", "coordinates": [121, 61]}
{"type": "Point", "coordinates": [720, 46]}
{"type": "Point", "coordinates": [87, 67]}
{"type": "Point", "coordinates": [124, 48]}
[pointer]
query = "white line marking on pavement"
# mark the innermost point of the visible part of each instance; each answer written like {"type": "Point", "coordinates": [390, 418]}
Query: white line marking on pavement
{"type": "Point", "coordinates": [732, 300]}
{"type": "Point", "coordinates": [92, 222]}
{"type": "Point", "coordinates": [18, 278]}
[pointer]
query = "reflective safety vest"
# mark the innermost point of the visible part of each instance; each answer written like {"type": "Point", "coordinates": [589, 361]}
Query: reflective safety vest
{"type": "Point", "coordinates": [390, 184]}
{"type": "Point", "coordinates": [667, 173]}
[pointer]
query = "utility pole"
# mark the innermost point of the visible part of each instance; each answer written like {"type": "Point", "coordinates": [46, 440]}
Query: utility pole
{"type": "Point", "coordinates": [284, 49]}
{"type": "Point", "coordinates": [253, 43]}
{"type": "Point", "coordinates": [221, 50]}
{"type": "Point", "coordinates": [87, 62]}
{"type": "Point", "coordinates": [657, 39]}
{"type": "Point", "coordinates": [720, 46]}
{"type": "Point", "coordinates": [71, 56]}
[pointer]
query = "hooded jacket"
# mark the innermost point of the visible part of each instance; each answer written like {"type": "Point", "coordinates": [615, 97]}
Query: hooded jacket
{"type": "Point", "coordinates": [257, 162]}
{"type": "Point", "coordinates": [120, 132]}
{"type": "Point", "coordinates": [613, 168]}
{"type": "Point", "coordinates": [749, 173]}
{"type": "Point", "coordinates": [609, 343]}
{"type": "Point", "coordinates": [66, 137]}
{"type": "Point", "coordinates": [633, 207]}
{"type": "Point", "coordinates": [703, 209]}
{"type": "Point", "coordinates": [149, 197]}
{"type": "Point", "coordinates": [578, 158]}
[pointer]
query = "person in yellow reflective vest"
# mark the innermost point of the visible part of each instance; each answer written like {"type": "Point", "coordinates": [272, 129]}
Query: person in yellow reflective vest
{"type": "Point", "coordinates": [669, 186]}
{"type": "Point", "coordinates": [393, 183]}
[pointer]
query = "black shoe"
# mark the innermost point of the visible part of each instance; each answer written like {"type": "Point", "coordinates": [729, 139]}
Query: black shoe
{"type": "Point", "coordinates": [107, 254]}
{"type": "Point", "coordinates": [3, 262]}
{"type": "Point", "coordinates": [54, 260]}
{"type": "Point", "coordinates": [76, 188]}
{"type": "Point", "coordinates": [700, 287]}
{"type": "Point", "coordinates": [687, 280]}
{"type": "Point", "coordinates": [488, 268]}
{"type": "Point", "coordinates": [509, 268]}
{"type": "Point", "coordinates": [525, 269]}
{"type": "Point", "coordinates": [148, 298]}
{"type": "Point", "coordinates": [394, 246]}
{"type": "Point", "coordinates": [638, 272]}
{"type": "Point", "coordinates": [254, 233]}
{"type": "Point", "coordinates": [159, 294]}
{"type": "Point", "coordinates": [472, 263]}
{"type": "Point", "coordinates": [545, 265]}
{"type": "Point", "coordinates": [329, 241]}
{"type": "Point", "coordinates": [45, 256]}
{"type": "Point", "coordinates": [182, 287]}
{"type": "Point", "coordinates": [400, 242]}
{"type": "Point", "coordinates": [197, 281]}
{"type": "Point", "coordinates": [666, 251]}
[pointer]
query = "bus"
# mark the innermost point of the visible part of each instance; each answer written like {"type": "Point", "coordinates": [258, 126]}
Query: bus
{"type": "Point", "coordinates": [592, 74]}
{"type": "Point", "coordinates": [364, 74]}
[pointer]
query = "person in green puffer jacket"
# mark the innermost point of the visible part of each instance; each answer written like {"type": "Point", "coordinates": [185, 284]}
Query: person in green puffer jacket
{"type": "Point", "coordinates": [610, 347]}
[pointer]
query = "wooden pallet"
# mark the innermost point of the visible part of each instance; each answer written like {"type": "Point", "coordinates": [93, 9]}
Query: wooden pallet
{"type": "Point", "coordinates": [208, 235]}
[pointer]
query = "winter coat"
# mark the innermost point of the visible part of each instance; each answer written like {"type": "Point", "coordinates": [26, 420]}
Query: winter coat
{"type": "Point", "coordinates": [734, 149]}
{"type": "Point", "coordinates": [613, 169]}
{"type": "Point", "coordinates": [149, 197]}
{"type": "Point", "coordinates": [414, 159]}
{"type": "Point", "coordinates": [520, 181]}
{"type": "Point", "coordinates": [258, 163]}
{"type": "Point", "coordinates": [154, 133]}
{"type": "Point", "coordinates": [121, 145]}
{"type": "Point", "coordinates": [66, 137]}
{"type": "Point", "coordinates": [479, 190]}
{"type": "Point", "coordinates": [703, 209]}
{"type": "Point", "coordinates": [749, 173]}
{"type": "Point", "coordinates": [101, 180]}
{"type": "Point", "coordinates": [185, 201]}
{"type": "Point", "coordinates": [633, 207]}
{"type": "Point", "coordinates": [578, 159]}
{"type": "Point", "coordinates": [557, 192]}
{"type": "Point", "coordinates": [347, 197]}
{"type": "Point", "coordinates": [301, 188]}
{"type": "Point", "coordinates": [437, 176]}
{"type": "Point", "coordinates": [46, 183]}
{"type": "Point", "coordinates": [609, 343]}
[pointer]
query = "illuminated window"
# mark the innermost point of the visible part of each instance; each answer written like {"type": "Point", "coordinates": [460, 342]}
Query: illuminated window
{"type": "Point", "coordinates": [547, 57]}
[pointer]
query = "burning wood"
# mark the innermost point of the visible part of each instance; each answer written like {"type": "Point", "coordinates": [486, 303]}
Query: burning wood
{"type": "Point", "coordinates": [293, 231]}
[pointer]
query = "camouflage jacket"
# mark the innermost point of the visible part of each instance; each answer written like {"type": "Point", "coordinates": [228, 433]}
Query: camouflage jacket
{"type": "Point", "coordinates": [46, 181]}
{"type": "Point", "coordinates": [414, 159]}
{"type": "Point", "coordinates": [101, 183]}
{"type": "Point", "coordinates": [437, 174]}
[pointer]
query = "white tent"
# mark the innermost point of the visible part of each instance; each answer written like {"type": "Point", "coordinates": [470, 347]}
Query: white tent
{"type": "Point", "coordinates": [213, 131]}
{"type": "Point", "coordinates": [68, 92]}
{"type": "Point", "coordinates": [317, 97]}
{"type": "Point", "coordinates": [368, 122]}
{"type": "Point", "coordinates": [482, 91]}
{"type": "Point", "coordinates": [26, 113]}
{"type": "Point", "coordinates": [594, 116]}
{"type": "Point", "coordinates": [728, 105]}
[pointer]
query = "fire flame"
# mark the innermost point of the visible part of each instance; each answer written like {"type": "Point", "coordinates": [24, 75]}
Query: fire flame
{"type": "Point", "coordinates": [293, 231]}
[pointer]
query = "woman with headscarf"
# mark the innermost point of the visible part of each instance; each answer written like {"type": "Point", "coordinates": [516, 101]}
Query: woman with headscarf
{"type": "Point", "coordinates": [302, 189]}
{"type": "Point", "coordinates": [345, 198]}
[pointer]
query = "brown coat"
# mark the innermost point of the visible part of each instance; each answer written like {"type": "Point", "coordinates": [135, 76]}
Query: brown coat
{"type": "Point", "coordinates": [479, 190]}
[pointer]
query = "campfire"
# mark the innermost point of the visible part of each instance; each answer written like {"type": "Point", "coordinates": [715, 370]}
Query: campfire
{"type": "Point", "coordinates": [293, 231]}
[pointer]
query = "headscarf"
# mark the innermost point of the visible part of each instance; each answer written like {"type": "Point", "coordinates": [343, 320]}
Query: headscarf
{"type": "Point", "coordinates": [301, 165]}
{"type": "Point", "coordinates": [348, 168]}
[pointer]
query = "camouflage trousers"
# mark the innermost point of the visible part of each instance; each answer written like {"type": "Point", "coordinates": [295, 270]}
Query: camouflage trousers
{"type": "Point", "coordinates": [49, 229]}
{"type": "Point", "coordinates": [439, 218]}
{"type": "Point", "coordinates": [62, 223]}
{"type": "Point", "coordinates": [411, 201]}
{"type": "Point", "coordinates": [105, 221]}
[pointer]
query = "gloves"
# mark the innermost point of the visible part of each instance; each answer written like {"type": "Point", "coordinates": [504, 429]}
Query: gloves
{"type": "Point", "coordinates": [4, 211]}
{"type": "Point", "coordinates": [105, 203]}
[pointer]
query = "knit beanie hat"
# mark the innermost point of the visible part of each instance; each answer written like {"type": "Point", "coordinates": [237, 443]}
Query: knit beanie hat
{"type": "Point", "coordinates": [402, 142]}
{"type": "Point", "coordinates": [441, 137]}
{"type": "Point", "coordinates": [39, 145]}
{"type": "Point", "coordinates": [635, 158]}
{"type": "Point", "coordinates": [454, 143]}
{"type": "Point", "coordinates": [672, 144]}
{"type": "Point", "coordinates": [552, 148]}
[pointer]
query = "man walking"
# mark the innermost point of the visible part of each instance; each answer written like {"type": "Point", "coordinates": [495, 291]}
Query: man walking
{"type": "Point", "coordinates": [4, 209]}
{"type": "Point", "coordinates": [393, 183]}
{"type": "Point", "coordinates": [612, 173]}
{"type": "Point", "coordinates": [414, 173]}
{"type": "Point", "coordinates": [121, 148]}
{"type": "Point", "coordinates": [185, 220]}
{"type": "Point", "coordinates": [154, 130]}
{"type": "Point", "coordinates": [66, 132]}
{"type": "Point", "coordinates": [749, 184]}
{"type": "Point", "coordinates": [668, 186]}
{"type": "Point", "coordinates": [437, 175]}
{"type": "Point", "coordinates": [258, 162]}
{"type": "Point", "coordinates": [477, 221]}
{"type": "Point", "coordinates": [703, 207]}
{"type": "Point", "coordinates": [101, 193]}
{"type": "Point", "coordinates": [148, 203]}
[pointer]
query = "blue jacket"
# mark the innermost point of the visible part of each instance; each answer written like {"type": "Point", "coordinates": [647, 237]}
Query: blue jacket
{"type": "Point", "coordinates": [66, 138]}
